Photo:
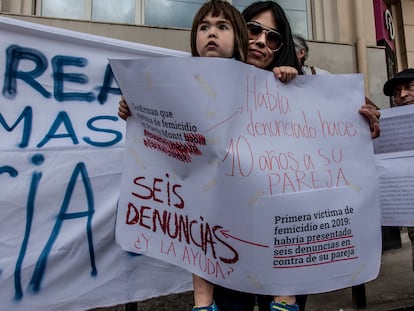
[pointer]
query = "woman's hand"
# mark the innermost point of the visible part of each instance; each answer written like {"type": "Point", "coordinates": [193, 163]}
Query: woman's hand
{"type": "Point", "coordinates": [285, 73]}
{"type": "Point", "coordinates": [123, 110]}
{"type": "Point", "coordinates": [372, 114]}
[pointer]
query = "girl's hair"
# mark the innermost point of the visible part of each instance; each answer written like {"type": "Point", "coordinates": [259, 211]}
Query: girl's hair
{"type": "Point", "coordinates": [286, 56]}
{"type": "Point", "coordinates": [230, 13]}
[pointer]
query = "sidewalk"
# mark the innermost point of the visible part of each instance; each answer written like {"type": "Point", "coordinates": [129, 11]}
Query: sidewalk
{"type": "Point", "coordinates": [393, 290]}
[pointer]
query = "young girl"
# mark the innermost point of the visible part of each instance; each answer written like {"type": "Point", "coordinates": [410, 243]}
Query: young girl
{"type": "Point", "coordinates": [218, 30]}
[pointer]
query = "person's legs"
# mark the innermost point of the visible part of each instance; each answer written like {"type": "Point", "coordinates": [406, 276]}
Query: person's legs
{"type": "Point", "coordinates": [284, 303]}
{"type": "Point", "coordinates": [231, 300]}
{"type": "Point", "coordinates": [410, 231]}
{"type": "Point", "coordinates": [279, 303]}
{"type": "Point", "coordinates": [301, 301]}
{"type": "Point", "coordinates": [203, 294]}
{"type": "Point", "coordinates": [263, 302]}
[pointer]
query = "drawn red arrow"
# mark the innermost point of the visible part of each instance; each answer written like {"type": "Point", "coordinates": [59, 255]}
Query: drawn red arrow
{"type": "Point", "coordinates": [238, 111]}
{"type": "Point", "coordinates": [226, 234]}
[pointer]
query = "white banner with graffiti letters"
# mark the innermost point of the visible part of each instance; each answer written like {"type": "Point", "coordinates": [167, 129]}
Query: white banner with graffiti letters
{"type": "Point", "coordinates": [60, 171]}
{"type": "Point", "coordinates": [250, 183]}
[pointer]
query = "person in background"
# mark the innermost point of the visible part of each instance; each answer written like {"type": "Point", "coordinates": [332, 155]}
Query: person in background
{"type": "Point", "coordinates": [302, 52]}
{"type": "Point", "coordinates": [368, 109]}
{"type": "Point", "coordinates": [401, 89]}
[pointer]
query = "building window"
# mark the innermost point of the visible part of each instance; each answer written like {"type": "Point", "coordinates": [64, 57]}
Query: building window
{"type": "Point", "coordinates": [119, 11]}
{"type": "Point", "coordinates": [163, 13]}
{"type": "Point", "coordinates": [63, 8]}
{"type": "Point", "coordinates": [171, 13]}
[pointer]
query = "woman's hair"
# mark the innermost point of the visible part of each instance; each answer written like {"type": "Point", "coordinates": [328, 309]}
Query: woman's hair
{"type": "Point", "coordinates": [300, 44]}
{"type": "Point", "coordinates": [230, 13]}
{"type": "Point", "coordinates": [286, 56]}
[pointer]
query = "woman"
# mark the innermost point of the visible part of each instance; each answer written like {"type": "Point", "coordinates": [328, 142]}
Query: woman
{"type": "Point", "coordinates": [263, 18]}
{"type": "Point", "coordinates": [271, 44]}
{"type": "Point", "coordinates": [271, 47]}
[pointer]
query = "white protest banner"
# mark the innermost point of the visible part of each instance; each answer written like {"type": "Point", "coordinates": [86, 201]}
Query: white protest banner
{"type": "Point", "coordinates": [61, 153]}
{"type": "Point", "coordinates": [250, 183]}
{"type": "Point", "coordinates": [394, 153]}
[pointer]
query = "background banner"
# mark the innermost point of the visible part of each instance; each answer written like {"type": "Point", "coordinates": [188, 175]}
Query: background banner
{"type": "Point", "coordinates": [394, 155]}
{"type": "Point", "coordinates": [60, 171]}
